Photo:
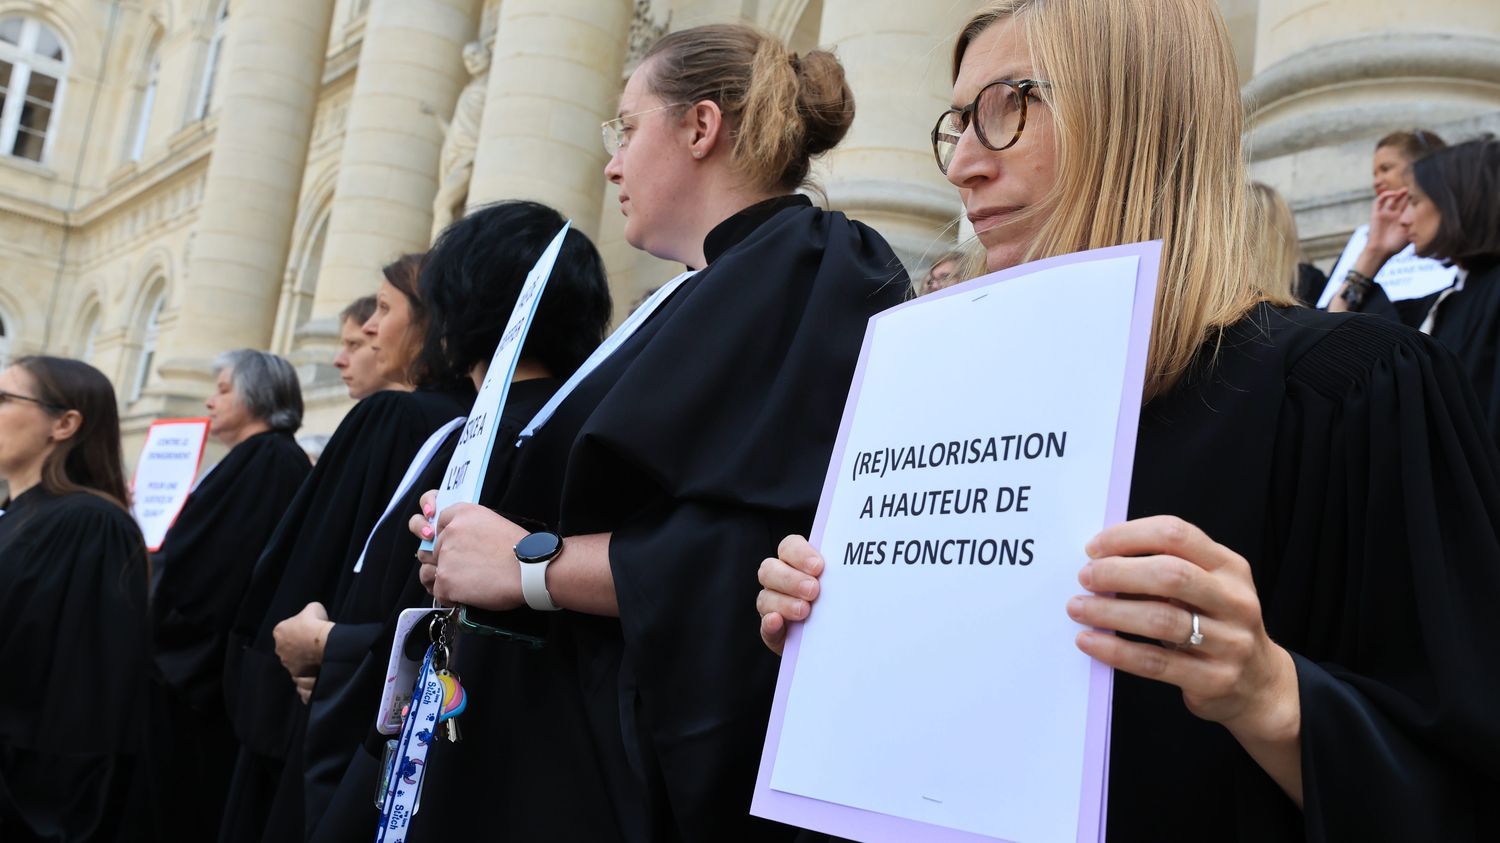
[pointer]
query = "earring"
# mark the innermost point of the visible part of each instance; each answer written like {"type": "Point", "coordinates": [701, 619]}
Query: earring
{"type": "Point", "coordinates": [697, 153]}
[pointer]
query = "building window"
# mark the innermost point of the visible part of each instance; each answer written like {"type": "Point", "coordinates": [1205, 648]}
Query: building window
{"type": "Point", "coordinates": [149, 337]}
{"type": "Point", "coordinates": [207, 94]}
{"type": "Point", "coordinates": [33, 66]}
{"type": "Point", "coordinates": [90, 334]}
{"type": "Point", "coordinates": [145, 101]}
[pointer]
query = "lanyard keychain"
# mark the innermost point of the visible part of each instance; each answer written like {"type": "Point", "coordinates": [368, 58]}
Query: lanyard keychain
{"type": "Point", "coordinates": [437, 699]}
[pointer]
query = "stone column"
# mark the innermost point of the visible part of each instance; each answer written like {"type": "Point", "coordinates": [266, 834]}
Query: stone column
{"type": "Point", "coordinates": [555, 76]}
{"type": "Point", "coordinates": [271, 74]}
{"type": "Point", "coordinates": [896, 57]}
{"type": "Point", "coordinates": [410, 70]}
{"type": "Point", "coordinates": [1333, 76]}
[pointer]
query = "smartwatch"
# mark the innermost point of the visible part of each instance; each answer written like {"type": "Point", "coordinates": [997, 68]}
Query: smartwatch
{"type": "Point", "coordinates": [535, 553]}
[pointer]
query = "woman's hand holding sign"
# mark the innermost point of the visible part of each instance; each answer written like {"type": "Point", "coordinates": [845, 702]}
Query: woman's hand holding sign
{"type": "Point", "coordinates": [1159, 578]}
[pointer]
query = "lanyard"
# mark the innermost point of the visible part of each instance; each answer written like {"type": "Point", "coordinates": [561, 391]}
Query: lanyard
{"type": "Point", "coordinates": [409, 762]}
{"type": "Point", "coordinates": [603, 352]}
{"type": "Point", "coordinates": [418, 465]}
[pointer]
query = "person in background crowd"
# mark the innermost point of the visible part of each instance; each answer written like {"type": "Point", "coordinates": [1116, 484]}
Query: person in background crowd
{"type": "Point", "coordinates": [946, 271]}
{"type": "Point", "coordinates": [356, 359]}
{"type": "Point", "coordinates": [307, 563]}
{"type": "Point", "coordinates": [1448, 209]}
{"type": "Point", "coordinates": [1315, 512]}
{"type": "Point", "coordinates": [74, 738]}
{"type": "Point", "coordinates": [468, 287]}
{"type": "Point", "coordinates": [1394, 155]}
{"type": "Point", "coordinates": [1273, 232]}
{"type": "Point", "coordinates": [703, 436]}
{"type": "Point", "coordinates": [203, 566]}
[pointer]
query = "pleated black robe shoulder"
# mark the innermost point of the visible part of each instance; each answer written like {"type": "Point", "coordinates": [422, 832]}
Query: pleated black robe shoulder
{"type": "Point", "coordinates": [200, 575]}
{"type": "Point", "coordinates": [75, 646]}
{"type": "Point", "coordinates": [1346, 458]}
{"type": "Point", "coordinates": [1467, 324]}
{"type": "Point", "coordinates": [699, 443]}
{"type": "Point", "coordinates": [310, 558]}
{"type": "Point", "coordinates": [338, 784]}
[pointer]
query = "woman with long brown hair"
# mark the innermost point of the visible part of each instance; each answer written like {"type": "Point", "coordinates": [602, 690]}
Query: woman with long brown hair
{"type": "Point", "coordinates": [276, 644]}
{"type": "Point", "coordinates": [1315, 509]}
{"type": "Point", "coordinates": [74, 638]}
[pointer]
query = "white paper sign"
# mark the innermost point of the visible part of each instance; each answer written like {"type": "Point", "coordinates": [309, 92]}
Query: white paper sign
{"type": "Point", "coordinates": [1404, 276]}
{"type": "Point", "coordinates": [164, 475]}
{"type": "Point", "coordinates": [936, 692]}
{"type": "Point", "coordinates": [465, 475]}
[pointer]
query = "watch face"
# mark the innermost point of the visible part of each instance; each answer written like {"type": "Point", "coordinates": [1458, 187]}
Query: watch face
{"type": "Point", "coordinates": [538, 547]}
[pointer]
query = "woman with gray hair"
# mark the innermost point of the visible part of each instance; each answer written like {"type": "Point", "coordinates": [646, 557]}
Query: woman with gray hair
{"type": "Point", "coordinates": [204, 566]}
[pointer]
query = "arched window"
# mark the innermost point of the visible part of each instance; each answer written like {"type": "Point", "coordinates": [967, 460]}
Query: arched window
{"type": "Point", "coordinates": [145, 101]}
{"type": "Point", "coordinates": [33, 67]}
{"type": "Point", "coordinates": [150, 334]}
{"type": "Point", "coordinates": [207, 98]}
{"type": "Point", "coordinates": [88, 334]}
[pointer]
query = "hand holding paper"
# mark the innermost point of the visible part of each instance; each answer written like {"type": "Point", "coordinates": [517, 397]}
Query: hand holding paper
{"type": "Point", "coordinates": [474, 565]}
{"type": "Point", "coordinates": [789, 585]}
{"type": "Point", "coordinates": [953, 522]}
{"type": "Point", "coordinates": [1236, 676]}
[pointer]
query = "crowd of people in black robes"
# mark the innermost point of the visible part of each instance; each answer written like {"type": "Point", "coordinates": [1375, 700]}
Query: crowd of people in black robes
{"type": "Point", "coordinates": [1319, 491]}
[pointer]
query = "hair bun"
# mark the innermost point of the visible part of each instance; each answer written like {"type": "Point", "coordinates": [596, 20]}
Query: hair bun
{"type": "Point", "coordinates": [824, 99]}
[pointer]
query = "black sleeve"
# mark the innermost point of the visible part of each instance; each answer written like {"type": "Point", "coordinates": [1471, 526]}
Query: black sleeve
{"type": "Point", "coordinates": [720, 440]}
{"type": "Point", "coordinates": [205, 561]}
{"type": "Point", "coordinates": [313, 548]}
{"type": "Point", "coordinates": [1398, 680]}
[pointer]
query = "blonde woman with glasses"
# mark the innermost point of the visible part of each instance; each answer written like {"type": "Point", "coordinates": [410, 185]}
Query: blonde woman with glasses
{"type": "Point", "coordinates": [1303, 587]}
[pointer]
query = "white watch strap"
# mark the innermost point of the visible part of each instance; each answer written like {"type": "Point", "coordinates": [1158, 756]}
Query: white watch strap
{"type": "Point", "coordinates": [534, 586]}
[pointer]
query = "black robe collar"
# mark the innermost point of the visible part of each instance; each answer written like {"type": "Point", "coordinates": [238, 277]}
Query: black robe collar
{"type": "Point", "coordinates": [728, 234]}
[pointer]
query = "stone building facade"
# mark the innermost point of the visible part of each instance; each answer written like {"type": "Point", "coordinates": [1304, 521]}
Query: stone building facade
{"type": "Point", "coordinates": [181, 177]}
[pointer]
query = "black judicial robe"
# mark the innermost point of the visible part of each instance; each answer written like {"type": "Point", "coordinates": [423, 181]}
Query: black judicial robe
{"type": "Point", "coordinates": [200, 575]}
{"type": "Point", "coordinates": [698, 444]}
{"type": "Point", "coordinates": [1468, 324]}
{"type": "Point", "coordinates": [339, 787]}
{"type": "Point", "coordinates": [1346, 459]}
{"type": "Point", "coordinates": [75, 651]}
{"type": "Point", "coordinates": [310, 557]}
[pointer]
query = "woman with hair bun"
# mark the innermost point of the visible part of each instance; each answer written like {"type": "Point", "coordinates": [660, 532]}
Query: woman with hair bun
{"type": "Point", "coordinates": [204, 564]}
{"type": "Point", "coordinates": [675, 460]}
{"type": "Point", "coordinates": [74, 641]}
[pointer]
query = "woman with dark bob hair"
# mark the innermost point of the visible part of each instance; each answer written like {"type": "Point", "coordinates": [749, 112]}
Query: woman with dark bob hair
{"type": "Point", "coordinates": [204, 564]}
{"type": "Point", "coordinates": [1305, 589]}
{"type": "Point", "coordinates": [437, 322]}
{"type": "Point", "coordinates": [1449, 209]}
{"type": "Point", "coordinates": [468, 287]}
{"type": "Point", "coordinates": [73, 584]}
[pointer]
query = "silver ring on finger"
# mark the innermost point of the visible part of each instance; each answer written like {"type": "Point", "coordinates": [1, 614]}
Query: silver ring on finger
{"type": "Point", "coordinates": [1196, 638]}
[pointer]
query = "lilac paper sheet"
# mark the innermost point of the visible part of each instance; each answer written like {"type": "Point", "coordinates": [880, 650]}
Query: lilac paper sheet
{"type": "Point", "coordinates": [868, 825]}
